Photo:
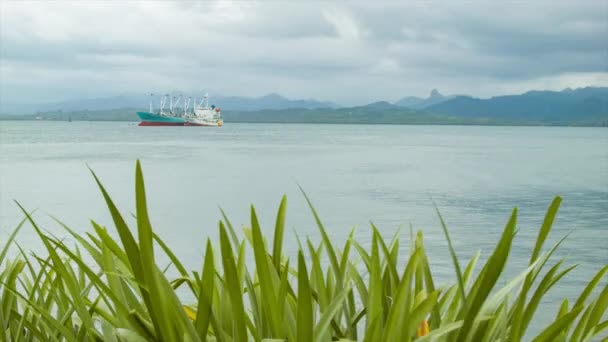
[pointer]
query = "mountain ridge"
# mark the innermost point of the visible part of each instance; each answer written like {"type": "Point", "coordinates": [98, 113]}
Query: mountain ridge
{"type": "Point", "coordinates": [141, 102]}
{"type": "Point", "coordinates": [586, 106]}
{"type": "Point", "coordinates": [582, 103]}
{"type": "Point", "coordinates": [415, 102]}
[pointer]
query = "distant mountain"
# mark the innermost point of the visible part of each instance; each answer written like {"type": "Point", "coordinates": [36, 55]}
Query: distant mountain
{"type": "Point", "coordinates": [94, 104]}
{"type": "Point", "coordinates": [270, 102]}
{"type": "Point", "coordinates": [419, 103]}
{"type": "Point", "coordinates": [108, 103]}
{"type": "Point", "coordinates": [380, 105]}
{"type": "Point", "coordinates": [570, 107]}
{"type": "Point", "coordinates": [583, 105]}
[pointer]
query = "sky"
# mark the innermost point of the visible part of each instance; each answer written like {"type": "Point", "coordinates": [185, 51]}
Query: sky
{"type": "Point", "coordinates": [346, 52]}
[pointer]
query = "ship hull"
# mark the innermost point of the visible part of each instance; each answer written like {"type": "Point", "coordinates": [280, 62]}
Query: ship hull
{"type": "Point", "coordinates": [151, 119]}
{"type": "Point", "coordinates": [153, 123]}
{"type": "Point", "coordinates": [208, 124]}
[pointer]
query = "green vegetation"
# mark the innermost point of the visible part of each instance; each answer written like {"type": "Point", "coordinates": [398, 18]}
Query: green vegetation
{"type": "Point", "coordinates": [382, 113]}
{"type": "Point", "coordinates": [330, 292]}
{"type": "Point", "coordinates": [124, 114]}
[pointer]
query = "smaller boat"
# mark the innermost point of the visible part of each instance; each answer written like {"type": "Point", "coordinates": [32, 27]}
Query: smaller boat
{"type": "Point", "coordinates": [203, 115]}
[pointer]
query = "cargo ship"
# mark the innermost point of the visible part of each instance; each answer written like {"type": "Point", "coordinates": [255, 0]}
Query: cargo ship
{"type": "Point", "coordinates": [201, 113]}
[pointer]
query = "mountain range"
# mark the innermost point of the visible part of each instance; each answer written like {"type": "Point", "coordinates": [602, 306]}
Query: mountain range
{"type": "Point", "coordinates": [420, 103]}
{"type": "Point", "coordinates": [579, 107]}
{"type": "Point", "coordinates": [583, 106]}
{"type": "Point", "coordinates": [267, 102]}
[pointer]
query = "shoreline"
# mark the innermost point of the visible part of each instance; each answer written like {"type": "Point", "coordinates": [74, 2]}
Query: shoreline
{"type": "Point", "coordinates": [494, 124]}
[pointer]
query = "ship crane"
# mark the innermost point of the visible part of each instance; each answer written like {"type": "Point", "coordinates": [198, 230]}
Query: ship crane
{"type": "Point", "coordinates": [205, 99]}
{"type": "Point", "coordinates": [176, 104]}
{"type": "Point", "coordinates": [187, 105]}
{"type": "Point", "coordinates": [163, 102]}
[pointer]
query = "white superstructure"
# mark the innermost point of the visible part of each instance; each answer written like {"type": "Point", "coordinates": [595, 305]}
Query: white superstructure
{"type": "Point", "coordinates": [203, 115]}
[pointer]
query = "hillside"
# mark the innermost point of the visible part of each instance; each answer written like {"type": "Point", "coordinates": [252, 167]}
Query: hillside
{"type": "Point", "coordinates": [580, 107]}
{"type": "Point", "coordinates": [414, 102]}
{"type": "Point", "coordinates": [584, 105]}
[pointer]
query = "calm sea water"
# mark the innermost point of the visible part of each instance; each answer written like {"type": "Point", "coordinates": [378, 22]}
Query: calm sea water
{"type": "Point", "coordinates": [354, 174]}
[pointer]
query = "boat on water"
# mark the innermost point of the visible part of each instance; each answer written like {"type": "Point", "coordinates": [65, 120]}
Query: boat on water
{"type": "Point", "coordinates": [201, 113]}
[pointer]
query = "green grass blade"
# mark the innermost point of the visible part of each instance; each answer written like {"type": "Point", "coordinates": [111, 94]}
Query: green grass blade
{"type": "Point", "coordinates": [400, 308]}
{"type": "Point", "coordinates": [598, 311]}
{"type": "Point", "coordinates": [322, 327]}
{"type": "Point", "coordinates": [333, 259]}
{"type": "Point", "coordinates": [233, 287]}
{"type": "Point", "coordinates": [545, 285]}
{"type": "Point", "coordinates": [546, 227]}
{"type": "Point", "coordinates": [159, 307]}
{"type": "Point", "coordinates": [11, 237]}
{"type": "Point", "coordinates": [555, 328]}
{"type": "Point", "coordinates": [488, 277]}
{"type": "Point", "coordinates": [266, 278]}
{"type": "Point", "coordinates": [591, 286]}
{"type": "Point", "coordinates": [233, 236]}
{"type": "Point", "coordinates": [516, 331]}
{"type": "Point", "coordinates": [205, 297]}
{"type": "Point", "coordinates": [461, 287]}
{"type": "Point", "coordinates": [279, 231]}
{"type": "Point", "coordinates": [375, 293]}
{"type": "Point", "coordinates": [305, 309]}
{"type": "Point", "coordinates": [600, 327]}
{"type": "Point", "coordinates": [391, 264]}
{"type": "Point", "coordinates": [128, 241]}
{"type": "Point", "coordinates": [437, 334]}
{"type": "Point", "coordinates": [48, 318]}
{"type": "Point", "coordinates": [420, 312]}
{"type": "Point", "coordinates": [178, 265]}
{"type": "Point", "coordinates": [71, 284]}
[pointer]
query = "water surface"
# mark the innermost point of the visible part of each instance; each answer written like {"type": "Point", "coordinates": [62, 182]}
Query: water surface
{"type": "Point", "coordinates": [353, 173]}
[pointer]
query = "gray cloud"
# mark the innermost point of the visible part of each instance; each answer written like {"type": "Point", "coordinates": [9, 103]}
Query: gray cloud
{"type": "Point", "coordinates": [350, 52]}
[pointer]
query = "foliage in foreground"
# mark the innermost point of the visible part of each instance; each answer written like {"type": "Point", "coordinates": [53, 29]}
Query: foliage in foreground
{"type": "Point", "coordinates": [329, 293]}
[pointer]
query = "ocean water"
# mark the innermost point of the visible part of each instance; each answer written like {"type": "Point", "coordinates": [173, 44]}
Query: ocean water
{"type": "Point", "coordinates": [354, 174]}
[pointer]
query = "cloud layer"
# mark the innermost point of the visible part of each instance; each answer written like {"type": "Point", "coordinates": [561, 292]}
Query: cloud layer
{"type": "Point", "coordinates": [350, 53]}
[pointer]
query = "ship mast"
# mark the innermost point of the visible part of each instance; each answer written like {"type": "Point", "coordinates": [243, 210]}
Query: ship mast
{"type": "Point", "coordinates": [186, 105]}
{"type": "Point", "coordinates": [163, 102]}
{"type": "Point", "coordinates": [177, 102]}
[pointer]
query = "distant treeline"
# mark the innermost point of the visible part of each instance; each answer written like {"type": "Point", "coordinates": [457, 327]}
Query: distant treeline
{"type": "Point", "coordinates": [370, 114]}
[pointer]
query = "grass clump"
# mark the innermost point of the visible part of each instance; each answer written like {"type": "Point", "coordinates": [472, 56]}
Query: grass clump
{"type": "Point", "coordinates": [360, 294]}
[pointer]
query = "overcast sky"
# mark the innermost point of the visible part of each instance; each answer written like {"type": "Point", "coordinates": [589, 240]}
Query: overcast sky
{"type": "Point", "coordinates": [346, 52]}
